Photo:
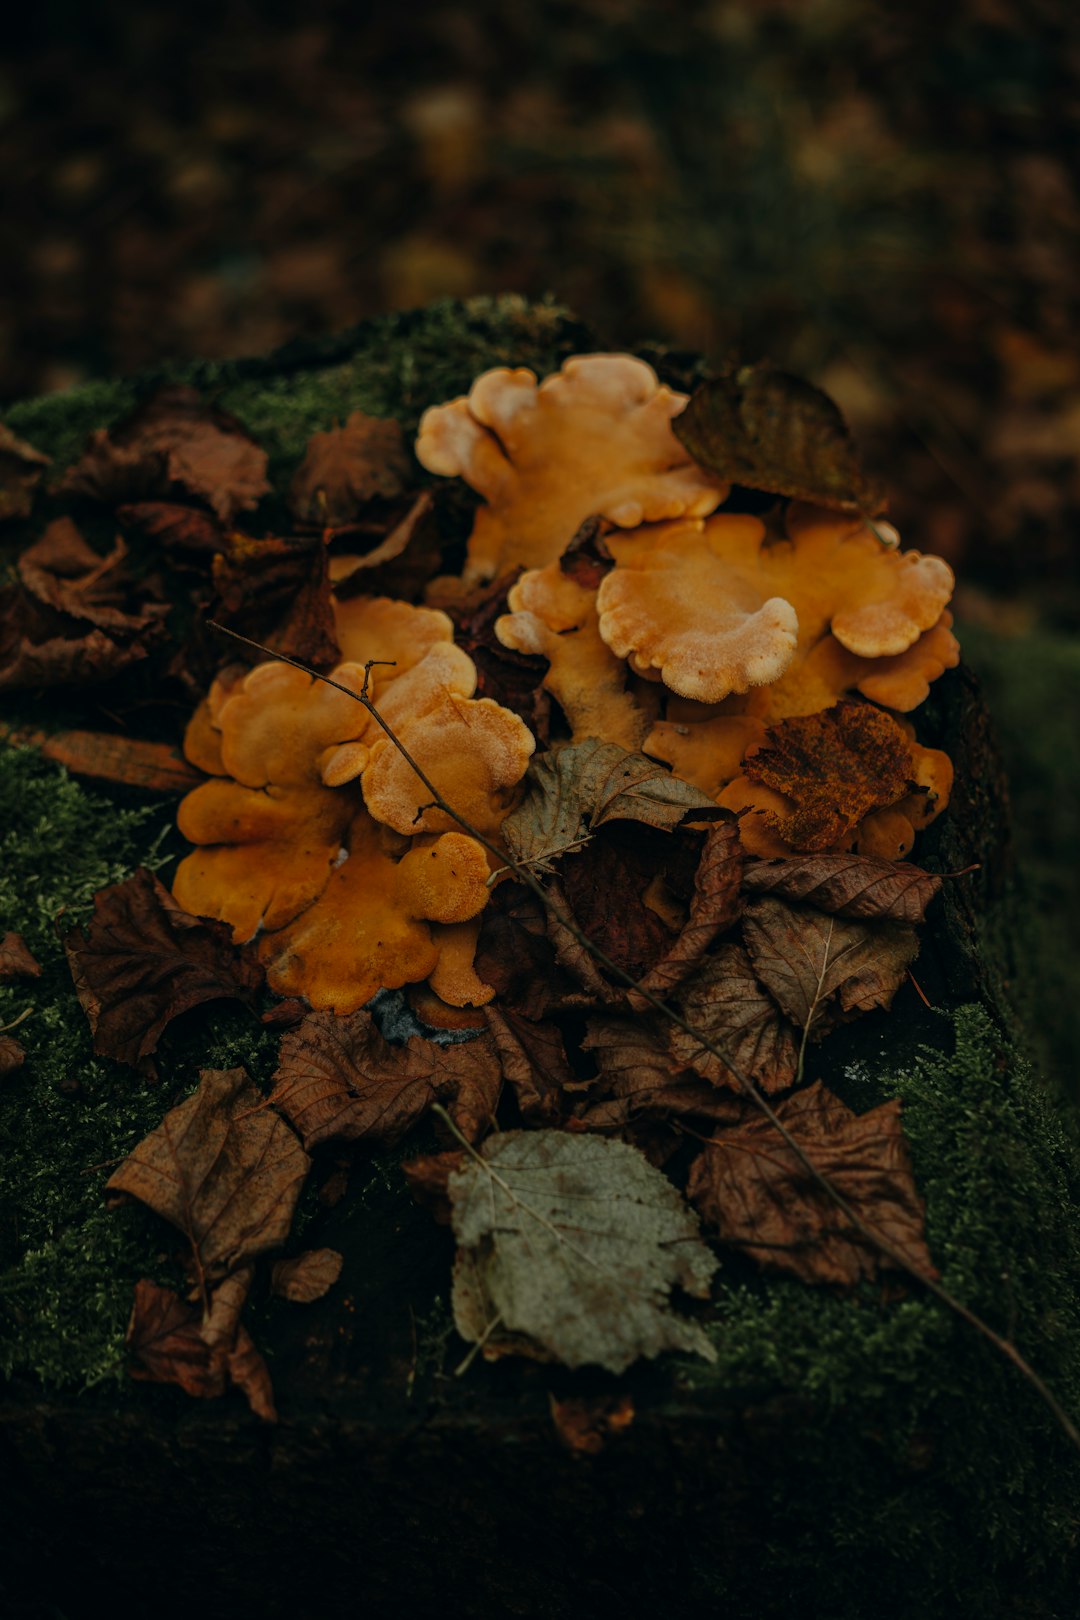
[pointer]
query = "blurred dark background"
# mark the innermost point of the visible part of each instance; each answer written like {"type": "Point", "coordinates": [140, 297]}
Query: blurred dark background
{"type": "Point", "coordinates": [884, 198]}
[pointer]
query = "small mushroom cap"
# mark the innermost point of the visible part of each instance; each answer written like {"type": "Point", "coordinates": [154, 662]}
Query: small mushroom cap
{"type": "Point", "coordinates": [279, 721]}
{"type": "Point", "coordinates": [691, 600]}
{"type": "Point", "coordinates": [474, 752]}
{"type": "Point", "coordinates": [593, 438]}
{"type": "Point", "coordinates": [555, 617]}
{"type": "Point", "coordinates": [367, 931]}
{"type": "Point", "coordinates": [454, 978]}
{"type": "Point", "coordinates": [266, 854]}
{"type": "Point", "coordinates": [395, 634]}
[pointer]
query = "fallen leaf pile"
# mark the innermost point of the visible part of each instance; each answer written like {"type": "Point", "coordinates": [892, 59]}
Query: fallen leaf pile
{"type": "Point", "coordinates": [622, 807]}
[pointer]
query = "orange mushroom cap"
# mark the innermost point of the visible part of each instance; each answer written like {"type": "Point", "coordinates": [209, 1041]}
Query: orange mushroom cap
{"type": "Point", "coordinates": [593, 438]}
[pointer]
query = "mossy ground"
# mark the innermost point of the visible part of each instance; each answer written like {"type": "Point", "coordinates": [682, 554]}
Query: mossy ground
{"type": "Point", "coordinates": [914, 1439]}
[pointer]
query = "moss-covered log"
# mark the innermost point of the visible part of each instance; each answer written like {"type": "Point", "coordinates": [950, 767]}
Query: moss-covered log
{"type": "Point", "coordinates": [844, 1456]}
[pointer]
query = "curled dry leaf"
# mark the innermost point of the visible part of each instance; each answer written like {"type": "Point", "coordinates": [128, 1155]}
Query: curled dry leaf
{"type": "Point", "coordinates": [725, 1001]}
{"type": "Point", "coordinates": [224, 1169]}
{"type": "Point", "coordinates": [307, 1277]}
{"type": "Point", "coordinates": [763, 428]}
{"type": "Point", "coordinates": [534, 1064]}
{"type": "Point", "coordinates": [345, 468]}
{"type": "Point", "coordinates": [174, 444]}
{"type": "Point", "coordinates": [571, 791]}
{"type": "Point", "coordinates": [569, 1248]}
{"type": "Point", "coordinates": [12, 1055]}
{"type": "Point", "coordinates": [428, 1178]}
{"type": "Point", "coordinates": [754, 1192]}
{"type": "Point", "coordinates": [16, 961]}
{"type": "Point", "coordinates": [405, 555]}
{"type": "Point", "coordinates": [166, 1344]}
{"type": "Point", "coordinates": [277, 591]}
{"type": "Point", "coordinates": [639, 1081]}
{"type": "Point", "coordinates": [586, 1423]}
{"type": "Point", "coordinates": [847, 885]}
{"type": "Point", "coordinates": [714, 906]}
{"type": "Point", "coordinates": [62, 571]}
{"type": "Point", "coordinates": [825, 970]}
{"type": "Point", "coordinates": [106, 757]}
{"type": "Point", "coordinates": [186, 534]}
{"type": "Point", "coordinates": [144, 960]}
{"type": "Point", "coordinates": [21, 470]}
{"type": "Point", "coordinates": [339, 1078]}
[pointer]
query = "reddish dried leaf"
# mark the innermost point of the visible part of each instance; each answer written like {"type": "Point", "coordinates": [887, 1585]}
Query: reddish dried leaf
{"type": "Point", "coordinates": [174, 444]}
{"type": "Point", "coordinates": [277, 592]}
{"type": "Point", "coordinates": [41, 648]}
{"type": "Point", "coordinates": [307, 1277]}
{"type": "Point", "coordinates": [144, 961]}
{"type": "Point", "coordinates": [21, 469]}
{"type": "Point", "coordinates": [715, 905]}
{"type": "Point", "coordinates": [182, 532]}
{"type": "Point", "coordinates": [753, 1190]}
{"type": "Point", "coordinates": [639, 1081]}
{"type": "Point", "coordinates": [826, 970]}
{"type": "Point", "coordinates": [66, 574]}
{"type": "Point", "coordinates": [338, 1078]}
{"type": "Point", "coordinates": [534, 1064]}
{"type": "Point", "coordinates": [586, 1423]}
{"type": "Point", "coordinates": [156, 767]}
{"type": "Point", "coordinates": [836, 766]}
{"type": "Point", "coordinates": [727, 1004]}
{"type": "Point", "coordinates": [605, 885]}
{"type": "Point", "coordinates": [12, 1056]}
{"type": "Point", "coordinates": [167, 1347]}
{"type": "Point", "coordinates": [847, 885]}
{"type": "Point", "coordinates": [346, 467]}
{"type": "Point", "coordinates": [398, 553]}
{"type": "Point", "coordinates": [428, 1177]}
{"type": "Point", "coordinates": [224, 1169]}
{"type": "Point", "coordinates": [16, 961]}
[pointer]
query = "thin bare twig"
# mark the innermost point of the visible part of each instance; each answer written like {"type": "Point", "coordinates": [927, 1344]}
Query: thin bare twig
{"type": "Point", "coordinates": [524, 875]}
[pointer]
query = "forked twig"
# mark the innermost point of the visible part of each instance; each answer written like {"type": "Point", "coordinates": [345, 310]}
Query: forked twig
{"type": "Point", "coordinates": [524, 875]}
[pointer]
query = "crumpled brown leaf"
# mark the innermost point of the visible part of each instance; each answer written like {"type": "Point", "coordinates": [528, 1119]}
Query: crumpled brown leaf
{"type": "Point", "coordinates": [826, 970]}
{"type": "Point", "coordinates": [277, 591]}
{"type": "Point", "coordinates": [12, 1055]}
{"type": "Point", "coordinates": [144, 960]}
{"type": "Point", "coordinates": [40, 648]}
{"type": "Point", "coordinates": [847, 885]}
{"type": "Point", "coordinates": [727, 1003]}
{"type": "Point", "coordinates": [346, 467]}
{"type": "Point", "coordinates": [307, 1277]}
{"type": "Point", "coordinates": [16, 962]}
{"type": "Point", "coordinates": [392, 553]}
{"type": "Point", "coordinates": [836, 766]}
{"type": "Point", "coordinates": [714, 906]}
{"type": "Point", "coordinates": [573, 790]}
{"type": "Point", "coordinates": [763, 428]}
{"type": "Point", "coordinates": [753, 1191]}
{"type": "Point", "coordinates": [534, 1064]}
{"type": "Point", "coordinates": [638, 1079]}
{"type": "Point", "coordinates": [339, 1079]}
{"type": "Point", "coordinates": [569, 1248]}
{"type": "Point", "coordinates": [224, 1169]}
{"type": "Point", "coordinates": [174, 444]}
{"type": "Point", "coordinates": [61, 570]}
{"type": "Point", "coordinates": [186, 534]}
{"type": "Point", "coordinates": [428, 1177]}
{"type": "Point", "coordinates": [167, 1347]}
{"type": "Point", "coordinates": [21, 470]}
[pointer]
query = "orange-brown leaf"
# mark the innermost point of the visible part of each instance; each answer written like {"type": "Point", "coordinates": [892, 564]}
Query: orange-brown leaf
{"type": "Point", "coordinates": [754, 1192]}
{"type": "Point", "coordinates": [167, 1347]}
{"type": "Point", "coordinates": [346, 467]}
{"type": "Point", "coordinates": [836, 766]}
{"type": "Point", "coordinates": [727, 1003]}
{"type": "Point", "coordinates": [308, 1276]}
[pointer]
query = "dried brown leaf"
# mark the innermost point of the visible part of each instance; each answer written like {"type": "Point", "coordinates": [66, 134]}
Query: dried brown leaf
{"type": "Point", "coordinates": [12, 1055]}
{"type": "Point", "coordinates": [586, 1423]}
{"type": "Point", "coordinates": [174, 444]}
{"type": "Point", "coordinates": [184, 533]}
{"type": "Point", "coordinates": [825, 970]}
{"type": "Point", "coordinates": [346, 467]}
{"type": "Point", "coordinates": [401, 552]}
{"type": "Point", "coordinates": [21, 469]}
{"type": "Point", "coordinates": [65, 573]}
{"type": "Point", "coordinates": [836, 766]}
{"type": "Point", "coordinates": [639, 1081]}
{"type": "Point", "coordinates": [534, 1064]}
{"type": "Point", "coordinates": [765, 429]}
{"type": "Point", "coordinates": [144, 961]}
{"type": "Point", "coordinates": [338, 1078]}
{"type": "Point", "coordinates": [16, 961]}
{"type": "Point", "coordinates": [277, 591]}
{"type": "Point", "coordinates": [307, 1277]}
{"type": "Point", "coordinates": [224, 1169]}
{"type": "Point", "coordinates": [714, 906]}
{"type": "Point", "coordinates": [725, 1001]}
{"type": "Point", "coordinates": [167, 1347]}
{"type": "Point", "coordinates": [428, 1177]}
{"type": "Point", "coordinates": [752, 1190]}
{"type": "Point", "coordinates": [847, 885]}
{"type": "Point", "coordinates": [106, 757]}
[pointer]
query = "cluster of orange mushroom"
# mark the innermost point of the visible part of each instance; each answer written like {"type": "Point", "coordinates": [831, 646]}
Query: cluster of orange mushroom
{"type": "Point", "coordinates": [707, 641]}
